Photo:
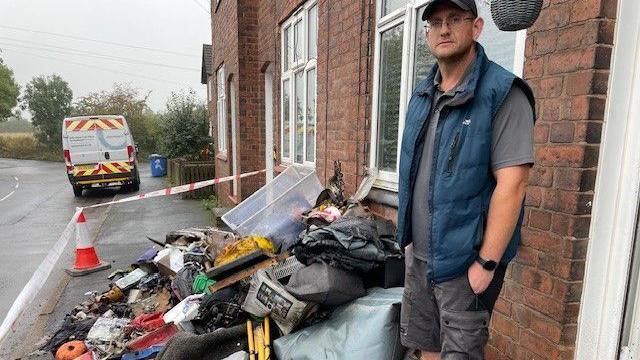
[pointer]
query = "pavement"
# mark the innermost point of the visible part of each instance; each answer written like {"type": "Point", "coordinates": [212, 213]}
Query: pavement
{"type": "Point", "coordinates": [37, 212]}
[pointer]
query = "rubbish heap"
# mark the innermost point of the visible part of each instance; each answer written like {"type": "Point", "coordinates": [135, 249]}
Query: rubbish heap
{"type": "Point", "coordinates": [301, 280]}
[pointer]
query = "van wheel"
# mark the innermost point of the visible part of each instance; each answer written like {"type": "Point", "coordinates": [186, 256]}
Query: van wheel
{"type": "Point", "coordinates": [135, 186]}
{"type": "Point", "coordinates": [77, 191]}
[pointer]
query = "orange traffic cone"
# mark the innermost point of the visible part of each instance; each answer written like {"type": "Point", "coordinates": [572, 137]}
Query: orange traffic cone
{"type": "Point", "coordinates": [87, 260]}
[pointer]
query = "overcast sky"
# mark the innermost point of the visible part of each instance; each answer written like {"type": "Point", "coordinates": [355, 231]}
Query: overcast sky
{"type": "Point", "coordinates": [177, 27]}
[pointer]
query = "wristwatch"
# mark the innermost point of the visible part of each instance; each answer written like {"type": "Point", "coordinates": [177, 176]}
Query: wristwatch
{"type": "Point", "coordinates": [488, 265]}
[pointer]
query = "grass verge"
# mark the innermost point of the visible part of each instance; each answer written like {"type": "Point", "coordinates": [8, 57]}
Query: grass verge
{"type": "Point", "coordinates": [25, 146]}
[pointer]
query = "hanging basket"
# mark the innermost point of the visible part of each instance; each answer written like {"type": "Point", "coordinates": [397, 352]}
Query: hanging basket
{"type": "Point", "coordinates": [514, 15]}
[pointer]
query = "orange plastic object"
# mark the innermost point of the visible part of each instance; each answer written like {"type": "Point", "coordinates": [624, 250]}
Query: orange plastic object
{"type": "Point", "coordinates": [71, 350]}
{"type": "Point", "coordinates": [86, 356]}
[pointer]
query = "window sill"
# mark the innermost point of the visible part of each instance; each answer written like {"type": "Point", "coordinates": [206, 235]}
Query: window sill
{"type": "Point", "coordinates": [222, 156]}
{"type": "Point", "coordinates": [280, 168]}
{"type": "Point", "coordinates": [283, 166]}
{"type": "Point", "coordinates": [234, 199]}
{"type": "Point", "coordinates": [384, 197]}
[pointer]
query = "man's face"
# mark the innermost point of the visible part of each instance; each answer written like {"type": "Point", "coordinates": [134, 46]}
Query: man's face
{"type": "Point", "coordinates": [453, 31]}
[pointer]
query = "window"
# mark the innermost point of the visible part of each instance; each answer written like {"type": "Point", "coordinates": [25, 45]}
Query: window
{"type": "Point", "coordinates": [222, 111]}
{"type": "Point", "coordinates": [402, 60]}
{"type": "Point", "coordinates": [299, 36]}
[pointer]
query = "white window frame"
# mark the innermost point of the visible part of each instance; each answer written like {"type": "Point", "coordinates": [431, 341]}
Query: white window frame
{"type": "Point", "coordinates": [209, 88]}
{"type": "Point", "coordinates": [304, 65]}
{"type": "Point", "coordinates": [407, 15]}
{"type": "Point", "coordinates": [221, 110]}
{"type": "Point", "coordinates": [612, 234]}
{"type": "Point", "coordinates": [234, 136]}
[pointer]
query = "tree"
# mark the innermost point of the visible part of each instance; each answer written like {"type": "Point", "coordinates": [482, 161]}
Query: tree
{"type": "Point", "coordinates": [48, 98]}
{"type": "Point", "coordinates": [123, 100]}
{"type": "Point", "coordinates": [185, 126]}
{"type": "Point", "coordinates": [9, 92]}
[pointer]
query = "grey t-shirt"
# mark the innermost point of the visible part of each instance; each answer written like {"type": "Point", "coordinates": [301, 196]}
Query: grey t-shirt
{"type": "Point", "coordinates": [511, 145]}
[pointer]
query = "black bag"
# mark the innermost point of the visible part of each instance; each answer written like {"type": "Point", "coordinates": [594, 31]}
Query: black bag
{"type": "Point", "coordinates": [324, 284]}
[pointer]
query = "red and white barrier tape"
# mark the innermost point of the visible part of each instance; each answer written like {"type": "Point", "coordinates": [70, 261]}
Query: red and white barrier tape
{"type": "Point", "coordinates": [180, 189]}
{"type": "Point", "coordinates": [40, 276]}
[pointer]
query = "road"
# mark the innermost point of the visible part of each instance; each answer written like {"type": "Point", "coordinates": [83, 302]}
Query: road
{"type": "Point", "coordinates": [33, 214]}
{"type": "Point", "coordinates": [36, 202]}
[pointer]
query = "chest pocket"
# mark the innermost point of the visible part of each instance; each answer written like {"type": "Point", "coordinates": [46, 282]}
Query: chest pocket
{"type": "Point", "coordinates": [461, 132]}
{"type": "Point", "coordinates": [459, 139]}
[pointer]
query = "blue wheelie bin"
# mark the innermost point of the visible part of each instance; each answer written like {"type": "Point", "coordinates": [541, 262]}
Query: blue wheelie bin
{"type": "Point", "coordinates": [158, 164]}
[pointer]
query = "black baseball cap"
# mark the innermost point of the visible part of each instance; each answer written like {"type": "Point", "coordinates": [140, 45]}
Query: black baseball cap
{"type": "Point", "coordinates": [466, 5]}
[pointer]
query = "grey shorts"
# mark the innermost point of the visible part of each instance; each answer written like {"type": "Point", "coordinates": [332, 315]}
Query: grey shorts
{"type": "Point", "coordinates": [448, 317]}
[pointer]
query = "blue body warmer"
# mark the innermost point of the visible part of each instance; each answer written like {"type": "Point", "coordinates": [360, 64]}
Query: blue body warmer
{"type": "Point", "coordinates": [461, 182]}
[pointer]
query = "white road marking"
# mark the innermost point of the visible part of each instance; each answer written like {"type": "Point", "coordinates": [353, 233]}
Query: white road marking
{"type": "Point", "coordinates": [11, 193]}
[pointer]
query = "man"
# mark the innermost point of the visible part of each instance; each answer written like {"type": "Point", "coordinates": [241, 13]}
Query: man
{"type": "Point", "coordinates": [466, 152]}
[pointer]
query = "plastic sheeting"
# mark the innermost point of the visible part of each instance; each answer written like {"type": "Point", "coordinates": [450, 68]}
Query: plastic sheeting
{"type": "Point", "coordinates": [367, 328]}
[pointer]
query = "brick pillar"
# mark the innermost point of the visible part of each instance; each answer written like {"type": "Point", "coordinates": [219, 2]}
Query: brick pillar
{"type": "Point", "coordinates": [345, 69]}
{"type": "Point", "coordinates": [568, 54]}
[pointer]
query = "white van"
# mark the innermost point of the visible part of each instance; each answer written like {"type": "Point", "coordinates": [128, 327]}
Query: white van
{"type": "Point", "coordinates": [99, 152]}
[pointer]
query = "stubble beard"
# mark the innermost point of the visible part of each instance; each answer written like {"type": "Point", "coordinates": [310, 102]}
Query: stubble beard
{"type": "Point", "coordinates": [456, 56]}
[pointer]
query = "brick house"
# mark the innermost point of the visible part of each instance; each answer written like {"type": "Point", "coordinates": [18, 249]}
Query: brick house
{"type": "Point", "coordinates": [314, 81]}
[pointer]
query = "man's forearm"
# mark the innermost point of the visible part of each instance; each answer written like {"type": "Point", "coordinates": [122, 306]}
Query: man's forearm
{"type": "Point", "coordinates": [504, 210]}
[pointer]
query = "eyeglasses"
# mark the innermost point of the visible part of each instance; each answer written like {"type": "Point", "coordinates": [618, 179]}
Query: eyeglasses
{"type": "Point", "coordinates": [452, 22]}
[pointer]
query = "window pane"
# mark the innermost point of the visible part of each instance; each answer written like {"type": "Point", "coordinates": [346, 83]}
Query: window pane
{"type": "Point", "coordinates": [313, 32]}
{"type": "Point", "coordinates": [311, 114]}
{"type": "Point", "coordinates": [500, 46]}
{"type": "Point", "coordinates": [389, 97]}
{"type": "Point", "coordinates": [299, 132]}
{"type": "Point", "coordinates": [286, 129]}
{"type": "Point", "coordinates": [298, 39]}
{"type": "Point", "coordinates": [388, 6]}
{"type": "Point", "coordinates": [423, 59]}
{"type": "Point", "coordinates": [287, 46]}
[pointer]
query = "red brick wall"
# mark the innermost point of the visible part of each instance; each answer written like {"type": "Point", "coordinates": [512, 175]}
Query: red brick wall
{"type": "Point", "coordinates": [346, 30]}
{"type": "Point", "coordinates": [225, 51]}
{"type": "Point", "coordinates": [568, 54]}
{"type": "Point", "coordinates": [251, 135]}
{"type": "Point", "coordinates": [246, 37]}
{"type": "Point", "coordinates": [344, 71]}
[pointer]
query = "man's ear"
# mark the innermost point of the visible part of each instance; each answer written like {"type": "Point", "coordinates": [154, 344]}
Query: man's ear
{"type": "Point", "coordinates": [478, 25]}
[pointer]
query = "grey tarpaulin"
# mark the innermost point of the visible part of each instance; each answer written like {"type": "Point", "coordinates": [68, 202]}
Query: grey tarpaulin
{"type": "Point", "coordinates": [367, 328]}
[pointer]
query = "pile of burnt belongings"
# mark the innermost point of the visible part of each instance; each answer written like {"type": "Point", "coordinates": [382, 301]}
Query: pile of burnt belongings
{"type": "Point", "coordinates": [205, 293]}
{"type": "Point", "coordinates": [165, 294]}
